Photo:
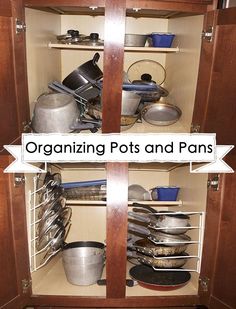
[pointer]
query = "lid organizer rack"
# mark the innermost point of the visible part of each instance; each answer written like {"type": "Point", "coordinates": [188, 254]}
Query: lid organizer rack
{"type": "Point", "coordinates": [38, 198]}
{"type": "Point", "coordinates": [197, 242]}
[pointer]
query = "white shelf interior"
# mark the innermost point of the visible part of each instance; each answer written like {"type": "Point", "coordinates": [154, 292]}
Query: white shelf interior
{"type": "Point", "coordinates": [145, 49]}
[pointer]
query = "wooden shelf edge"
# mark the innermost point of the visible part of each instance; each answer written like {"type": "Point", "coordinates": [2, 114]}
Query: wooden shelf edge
{"type": "Point", "coordinates": [127, 49]}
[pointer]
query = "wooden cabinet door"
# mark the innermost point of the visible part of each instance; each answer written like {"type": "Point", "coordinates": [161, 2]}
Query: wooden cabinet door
{"type": "Point", "coordinates": [218, 271]}
{"type": "Point", "coordinates": [14, 258]}
{"type": "Point", "coordinates": [13, 81]}
{"type": "Point", "coordinates": [215, 108]}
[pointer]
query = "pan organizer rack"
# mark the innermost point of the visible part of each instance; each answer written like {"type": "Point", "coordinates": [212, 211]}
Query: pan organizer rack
{"type": "Point", "coordinates": [38, 258]}
{"type": "Point", "coordinates": [197, 242]}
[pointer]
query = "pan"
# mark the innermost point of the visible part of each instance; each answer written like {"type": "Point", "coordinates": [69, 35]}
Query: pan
{"type": "Point", "coordinates": [159, 280]}
{"type": "Point", "coordinates": [161, 114]}
{"type": "Point", "coordinates": [147, 247]}
{"type": "Point", "coordinates": [168, 223]}
{"type": "Point", "coordinates": [161, 261]}
{"type": "Point", "coordinates": [159, 237]}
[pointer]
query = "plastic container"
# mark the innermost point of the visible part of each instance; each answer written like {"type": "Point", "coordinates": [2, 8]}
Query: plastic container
{"type": "Point", "coordinates": [162, 39]}
{"type": "Point", "coordinates": [165, 193]}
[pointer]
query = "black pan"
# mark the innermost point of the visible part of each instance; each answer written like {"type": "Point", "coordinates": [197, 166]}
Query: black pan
{"type": "Point", "coordinates": [159, 280]}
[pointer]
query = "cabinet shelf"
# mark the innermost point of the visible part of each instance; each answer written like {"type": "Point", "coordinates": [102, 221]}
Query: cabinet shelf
{"type": "Point", "coordinates": [130, 203]}
{"type": "Point", "coordinates": [101, 48]}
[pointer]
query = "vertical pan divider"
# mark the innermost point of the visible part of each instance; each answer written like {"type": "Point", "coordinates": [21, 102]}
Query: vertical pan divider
{"type": "Point", "coordinates": [114, 33]}
{"type": "Point", "coordinates": [116, 236]}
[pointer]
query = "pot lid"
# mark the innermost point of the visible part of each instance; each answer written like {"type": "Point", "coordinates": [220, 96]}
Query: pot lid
{"type": "Point", "coordinates": [147, 70]}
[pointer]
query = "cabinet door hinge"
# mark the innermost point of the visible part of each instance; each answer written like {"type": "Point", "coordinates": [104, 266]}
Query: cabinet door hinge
{"type": "Point", "coordinates": [204, 283]}
{"type": "Point", "coordinates": [26, 284]}
{"type": "Point", "coordinates": [213, 183]}
{"type": "Point", "coordinates": [19, 179]}
{"type": "Point", "coordinates": [20, 26]}
{"type": "Point", "coordinates": [195, 128]}
{"type": "Point", "coordinates": [207, 34]}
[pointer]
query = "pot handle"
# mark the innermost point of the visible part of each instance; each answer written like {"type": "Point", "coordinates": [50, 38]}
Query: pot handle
{"type": "Point", "coordinates": [96, 58]}
{"type": "Point", "coordinates": [138, 217]}
{"type": "Point", "coordinates": [139, 229]}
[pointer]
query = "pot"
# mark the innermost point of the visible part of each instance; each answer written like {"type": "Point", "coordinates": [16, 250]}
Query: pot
{"type": "Point", "coordinates": [159, 280]}
{"type": "Point", "coordinates": [83, 262]}
{"type": "Point", "coordinates": [85, 75]}
{"type": "Point", "coordinates": [57, 113]}
{"type": "Point", "coordinates": [126, 122]}
{"type": "Point", "coordinates": [137, 40]}
{"type": "Point", "coordinates": [130, 102]}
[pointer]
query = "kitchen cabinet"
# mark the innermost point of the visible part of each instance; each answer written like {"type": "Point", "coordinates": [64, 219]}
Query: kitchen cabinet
{"type": "Point", "coordinates": [219, 222]}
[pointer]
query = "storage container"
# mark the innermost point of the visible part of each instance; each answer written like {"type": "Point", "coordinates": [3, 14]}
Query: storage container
{"type": "Point", "coordinates": [165, 193]}
{"type": "Point", "coordinates": [162, 39]}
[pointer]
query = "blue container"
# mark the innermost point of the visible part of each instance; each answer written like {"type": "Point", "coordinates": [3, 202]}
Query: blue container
{"type": "Point", "coordinates": [162, 39]}
{"type": "Point", "coordinates": [165, 193]}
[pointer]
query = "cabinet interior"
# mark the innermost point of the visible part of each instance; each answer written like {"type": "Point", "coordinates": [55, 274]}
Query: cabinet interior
{"type": "Point", "coordinates": [47, 64]}
{"type": "Point", "coordinates": [89, 223]}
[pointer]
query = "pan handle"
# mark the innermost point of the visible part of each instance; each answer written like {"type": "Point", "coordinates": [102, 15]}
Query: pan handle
{"type": "Point", "coordinates": [96, 58]}
{"type": "Point", "coordinates": [139, 229]}
{"type": "Point", "coordinates": [147, 207]}
{"type": "Point", "coordinates": [138, 217]}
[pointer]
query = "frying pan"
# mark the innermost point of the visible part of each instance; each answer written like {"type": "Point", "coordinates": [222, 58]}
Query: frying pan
{"type": "Point", "coordinates": [172, 224]}
{"type": "Point", "coordinates": [159, 280]}
{"type": "Point", "coordinates": [161, 114]}
{"type": "Point", "coordinates": [147, 247]}
{"type": "Point", "coordinates": [159, 237]}
{"type": "Point", "coordinates": [161, 261]}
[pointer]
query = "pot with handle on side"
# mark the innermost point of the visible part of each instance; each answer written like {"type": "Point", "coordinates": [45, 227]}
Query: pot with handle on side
{"type": "Point", "coordinates": [57, 113]}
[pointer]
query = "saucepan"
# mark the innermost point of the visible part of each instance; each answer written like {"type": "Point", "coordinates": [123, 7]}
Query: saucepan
{"type": "Point", "coordinates": [85, 75]}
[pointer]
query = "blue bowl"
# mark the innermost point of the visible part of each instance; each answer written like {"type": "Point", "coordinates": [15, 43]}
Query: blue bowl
{"type": "Point", "coordinates": [162, 39]}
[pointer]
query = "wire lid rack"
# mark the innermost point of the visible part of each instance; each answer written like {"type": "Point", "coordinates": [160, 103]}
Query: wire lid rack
{"type": "Point", "coordinates": [55, 232]}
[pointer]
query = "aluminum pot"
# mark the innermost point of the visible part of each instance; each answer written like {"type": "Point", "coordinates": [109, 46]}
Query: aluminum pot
{"type": "Point", "coordinates": [57, 113]}
{"type": "Point", "coordinates": [137, 40]}
{"type": "Point", "coordinates": [54, 113]}
{"type": "Point", "coordinates": [83, 262]}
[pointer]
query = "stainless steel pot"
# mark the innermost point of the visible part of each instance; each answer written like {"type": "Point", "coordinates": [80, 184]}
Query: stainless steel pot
{"type": "Point", "coordinates": [130, 102]}
{"type": "Point", "coordinates": [137, 40]}
{"type": "Point", "coordinates": [83, 262]}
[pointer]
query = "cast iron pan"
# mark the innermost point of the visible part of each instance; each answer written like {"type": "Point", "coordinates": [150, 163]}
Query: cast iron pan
{"type": "Point", "coordinates": [159, 280]}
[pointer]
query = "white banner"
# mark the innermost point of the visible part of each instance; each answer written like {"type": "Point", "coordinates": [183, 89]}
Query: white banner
{"type": "Point", "coordinates": [119, 148]}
